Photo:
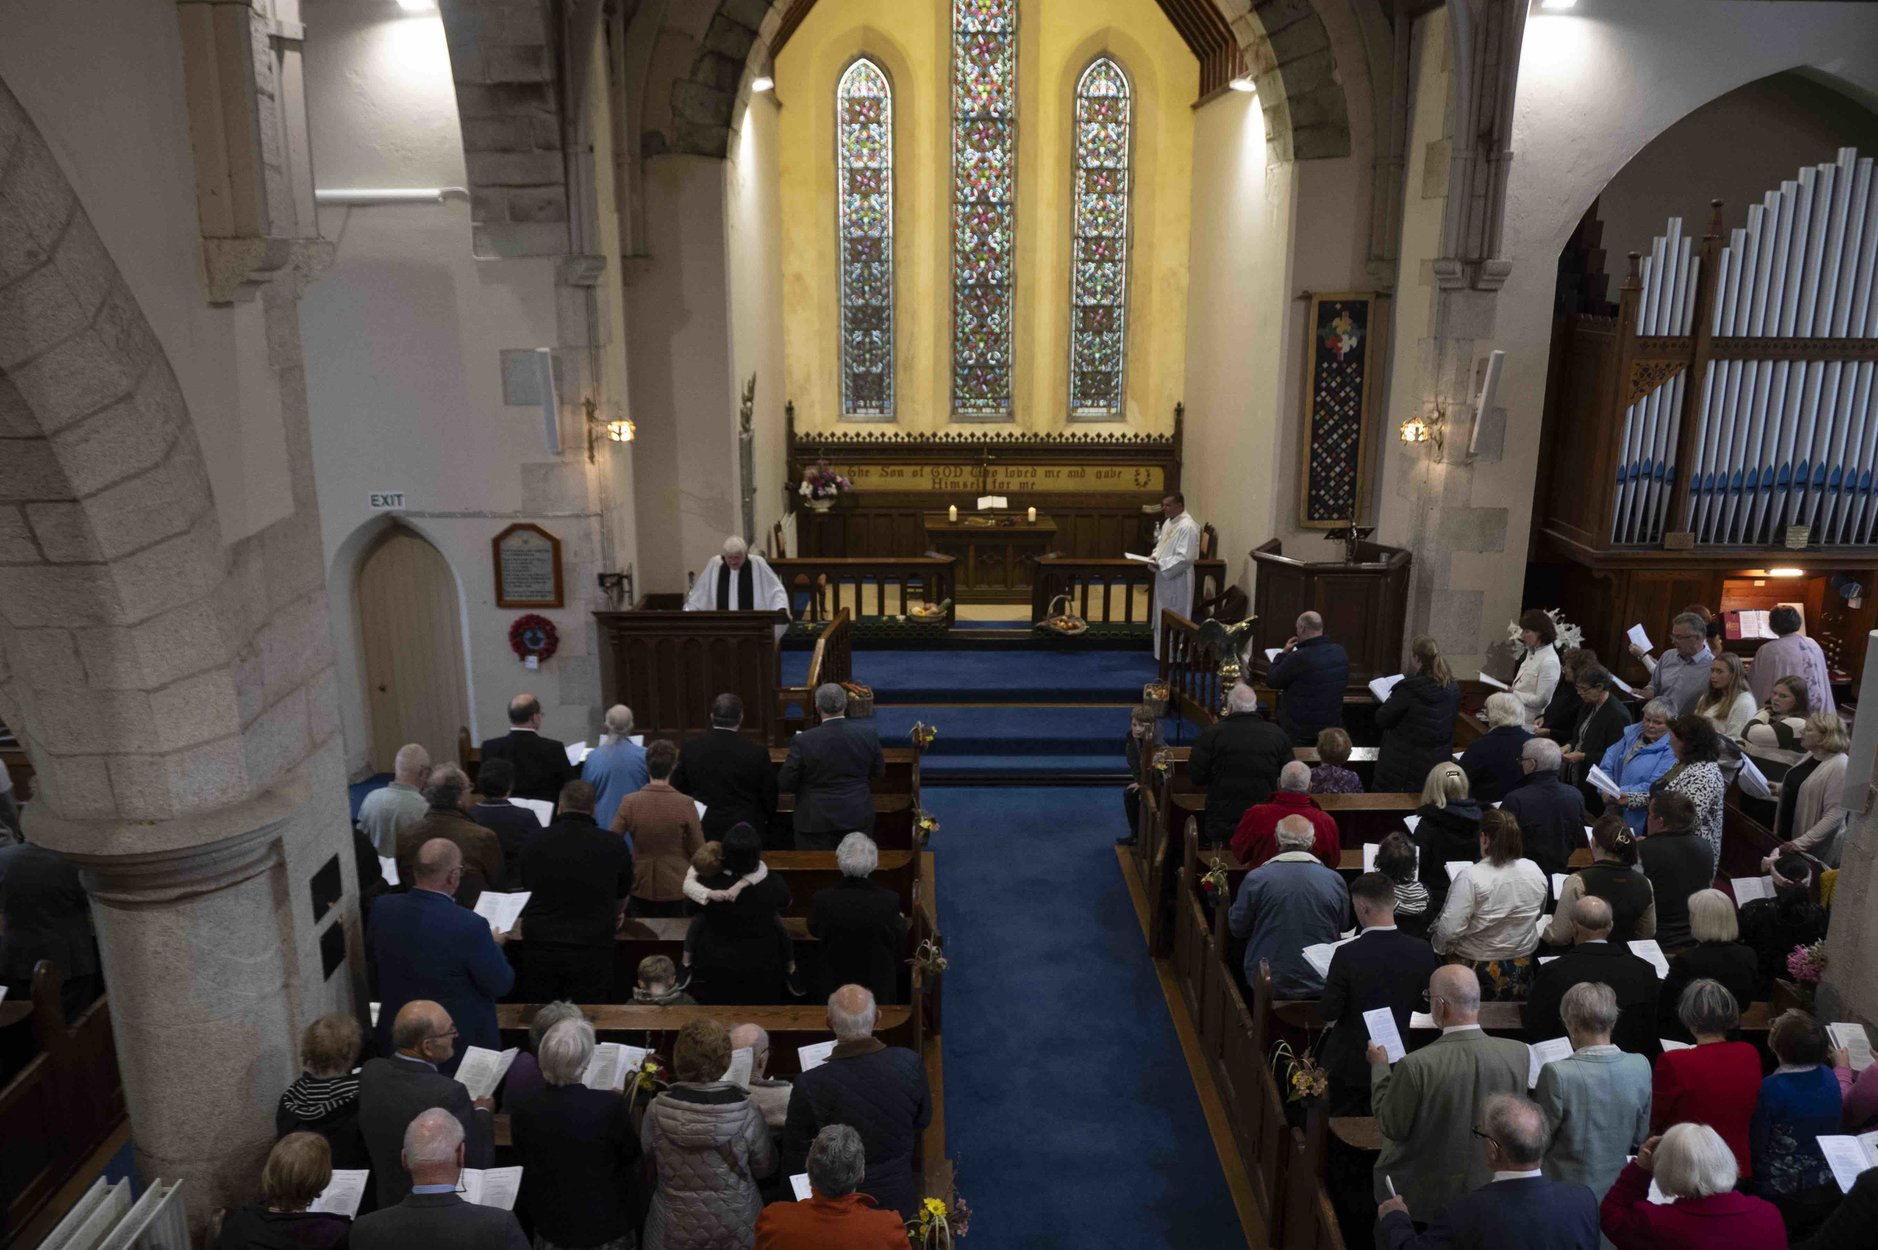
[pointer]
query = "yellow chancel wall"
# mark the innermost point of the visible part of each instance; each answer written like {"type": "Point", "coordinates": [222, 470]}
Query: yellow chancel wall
{"type": "Point", "coordinates": [912, 41]}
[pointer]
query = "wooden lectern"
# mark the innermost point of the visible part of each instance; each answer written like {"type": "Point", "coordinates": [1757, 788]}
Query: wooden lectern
{"type": "Point", "coordinates": [667, 665]}
{"type": "Point", "coordinates": [1363, 605]}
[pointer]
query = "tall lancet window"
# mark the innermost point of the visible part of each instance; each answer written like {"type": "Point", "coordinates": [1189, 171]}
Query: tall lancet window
{"type": "Point", "coordinates": [864, 152]}
{"type": "Point", "coordinates": [1098, 340]}
{"type": "Point", "coordinates": [984, 205]}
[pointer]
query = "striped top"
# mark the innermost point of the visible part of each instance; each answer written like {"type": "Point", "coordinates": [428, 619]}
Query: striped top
{"type": "Point", "coordinates": [314, 1098]}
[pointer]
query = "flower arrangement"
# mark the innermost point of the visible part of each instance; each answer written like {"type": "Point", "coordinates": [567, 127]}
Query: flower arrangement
{"type": "Point", "coordinates": [925, 824]}
{"type": "Point", "coordinates": [645, 1079]}
{"type": "Point", "coordinates": [938, 1225]}
{"type": "Point", "coordinates": [1213, 883]}
{"type": "Point", "coordinates": [1570, 636]}
{"type": "Point", "coordinates": [922, 734]}
{"type": "Point", "coordinates": [930, 958]}
{"type": "Point", "coordinates": [1164, 760]}
{"type": "Point", "coordinates": [821, 482]}
{"type": "Point", "coordinates": [1301, 1075]}
{"type": "Point", "coordinates": [1806, 965]}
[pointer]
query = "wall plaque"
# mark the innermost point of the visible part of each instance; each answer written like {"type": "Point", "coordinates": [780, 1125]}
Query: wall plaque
{"type": "Point", "coordinates": [528, 567]}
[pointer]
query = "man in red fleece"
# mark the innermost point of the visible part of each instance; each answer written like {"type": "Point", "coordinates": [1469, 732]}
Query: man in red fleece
{"type": "Point", "coordinates": [1256, 839]}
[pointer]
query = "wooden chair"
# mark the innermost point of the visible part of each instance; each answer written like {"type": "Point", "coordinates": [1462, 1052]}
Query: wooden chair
{"type": "Point", "coordinates": [1209, 541]}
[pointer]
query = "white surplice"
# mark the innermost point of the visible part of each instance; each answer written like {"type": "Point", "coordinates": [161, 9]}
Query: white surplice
{"type": "Point", "coordinates": [1176, 547]}
{"type": "Point", "coordinates": [766, 588]}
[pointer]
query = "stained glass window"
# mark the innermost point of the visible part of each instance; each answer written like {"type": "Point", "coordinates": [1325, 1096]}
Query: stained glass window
{"type": "Point", "coordinates": [984, 205]}
{"type": "Point", "coordinates": [864, 150]}
{"type": "Point", "coordinates": [1099, 261]}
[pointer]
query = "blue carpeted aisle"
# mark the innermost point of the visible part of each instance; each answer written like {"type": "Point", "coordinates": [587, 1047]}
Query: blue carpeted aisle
{"type": "Point", "coordinates": [1070, 1112]}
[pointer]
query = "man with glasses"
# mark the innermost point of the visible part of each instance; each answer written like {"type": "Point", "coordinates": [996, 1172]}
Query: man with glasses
{"type": "Point", "coordinates": [1519, 1209]}
{"type": "Point", "coordinates": [395, 1091]}
{"type": "Point", "coordinates": [1428, 1104]}
{"type": "Point", "coordinates": [1681, 675]}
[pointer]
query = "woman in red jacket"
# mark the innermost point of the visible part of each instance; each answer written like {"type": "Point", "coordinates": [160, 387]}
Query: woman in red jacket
{"type": "Point", "coordinates": [1695, 1169]}
{"type": "Point", "coordinates": [1715, 1082]}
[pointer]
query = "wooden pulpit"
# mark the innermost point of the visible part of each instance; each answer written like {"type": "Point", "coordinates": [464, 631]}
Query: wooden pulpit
{"type": "Point", "coordinates": [667, 665]}
{"type": "Point", "coordinates": [1363, 603]}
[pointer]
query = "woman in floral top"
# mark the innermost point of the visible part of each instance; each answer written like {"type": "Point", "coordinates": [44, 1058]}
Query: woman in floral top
{"type": "Point", "coordinates": [1798, 1102]}
{"type": "Point", "coordinates": [1331, 777]}
{"type": "Point", "coordinates": [1697, 747]}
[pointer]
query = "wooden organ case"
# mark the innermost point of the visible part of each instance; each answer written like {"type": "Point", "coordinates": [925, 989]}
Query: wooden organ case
{"type": "Point", "coordinates": [1716, 442]}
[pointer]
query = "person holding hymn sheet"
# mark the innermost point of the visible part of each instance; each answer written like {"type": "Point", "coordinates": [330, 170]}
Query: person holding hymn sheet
{"type": "Point", "coordinates": [1429, 1104]}
{"type": "Point", "coordinates": [1520, 1208]}
{"type": "Point", "coordinates": [1396, 859]}
{"type": "Point", "coordinates": [1417, 721]}
{"type": "Point", "coordinates": [325, 1097]}
{"type": "Point", "coordinates": [434, 1212]}
{"type": "Point", "coordinates": [879, 1089]}
{"type": "Point", "coordinates": [1561, 714]}
{"type": "Point", "coordinates": [1715, 1082]}
{"type": "Point", "coordinates": [1447, 829]}
{"type": "Point", "coordinates": [1489, 918]}
{"type": "Point", "coordinates": [1601, 722]}
{"type": "Point", "coordinates": [1727, 703]}
{"type": "Point", "coordinates": [1538, 671]}
{"type": "Point", "coordinates": [448, 820]}
{"type": "Point", "coordinates": [1613, 877]}
{"type": "Point", "coordinates": [579, 877]}
{"type": "Point", "coordinates": [1286, 904]}
{"type": "Point", "coordinates": [830, 770]}
{"type": "Point", "coordinates": [1681, 674]}
{"type": "Point", "coordinates": [770, 1094]}
{"type": "Point", "coordinates": [1595, 958]}
{"type": "Point", "coordinates": [1255, 840]}
{"type": "Point", "coordinates": [616, 767]}
{"type": "Point", "coordinates": [1597, 1099]}
{"type": "Point", "coordinates": [1310, 676]}
{"type": "Point", "coordinates": [1382, 967]}
{"type": "Point", "coordinates": [393, 1091]}
{"type": "Point", "coordinates": [1772, 927]}
{"type": "Point", "coordinates": [541, 766]}
{"type": "Point", "coordinates": [1799, 1102]}
{"type": "Point", "coordinates": [391, 807]}
{"type": "Point", "coordinates": [423, 946]}
{"type": "Point", "coordinates": [1850, 1225]}
{"type": "Point", "coordinates": [1636, 760]}
{"type": "Point", "coordinates": [709, 1147]}
{"type": "Point", "coordinates": [1176, 547]}
{"type": "Point", "coordinates": [524, 1076]}
{"type": "Point", "coordinates": [1692, 1168]}
{"type": "Point", "coordinates": [1811, 815]}
{"type": "Point", "coordinates": [836, 1215]}
{"type": "Point", "coordinates": [1792, 654]}
{"type": "Point", "coordinates": [1697, 774]}
{"type": "Point", "coordinates": [1237, 759]}
{"type": "Point", "coordinates": [663, 828]}
{"type": "Point", "coordinates": [1772, 738]}
{"type": "Point", "coordinates": [1716, 956]}
{"type": "Point", "coordinates": [1551, 814]}
{"type": "Point", "coordinates": [739, 580]}
{"type": "Point", "coordinates": [727, 772]}
{"type": "Point", "coordinates": [298, 1169]}
{"type": "Point", "coordinates": [579, 1152]}
{"type": "Point", "coordinates": [1330, 776]}
{"type": "Point", "coordinates": [514, 826]}
{"type": "Point", "coordinates": [1492, 761]}
{"type": "Point", "coordinates": [1677, 861]}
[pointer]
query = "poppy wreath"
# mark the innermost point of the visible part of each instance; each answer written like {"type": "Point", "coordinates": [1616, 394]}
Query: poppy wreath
{"type": "Point", "coordinates": [533, 635]}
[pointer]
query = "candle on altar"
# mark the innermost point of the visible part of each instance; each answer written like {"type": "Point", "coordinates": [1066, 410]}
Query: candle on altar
{"type": "Point", "coordinates": [1031, 515]}
{"type": "Point", "coordinates": [952, 513]}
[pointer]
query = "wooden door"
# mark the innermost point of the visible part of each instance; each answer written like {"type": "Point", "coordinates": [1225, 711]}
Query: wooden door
{"type": "Point", "coordinates": [411, 625]}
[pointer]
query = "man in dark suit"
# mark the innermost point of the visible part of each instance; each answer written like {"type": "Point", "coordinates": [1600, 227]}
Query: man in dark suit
{"type": "Point", "coordinates": [829, 770]}
{"type": "Point", "coordinates": [859, 925]}
{"type": "Point", "coordinates": [514, 827]}
{"type": "Point", "coordinates": [878, 1089]}
{"type": "Point", "coordinates": [728, 773]}
{"type": "Point", "coordinates": [1381, 967]}
{"type": "Point", "coordinates": [580, 877]}
{"type": "Point", "coordinates": [1238, 759]}
{"type": "Point", "coordinates": [424, 946]}
{"type": "Point", "coordinates": [44, 915]}
{"type": "Point", "coordinates": [432, 1213]}
{"type": "Point", "coordinates": [1518, 1210]}
{"type": "Point", "coordinates": [395, 1091]}
{"type": "Point", "coordinates": [1594, 957]}
{"type": "Point", "coordinates": [1551, 814]}
{"type": "Point", "coordinates": [541, 766]}
{"type": "Point", "coordinates": [1311, 674]}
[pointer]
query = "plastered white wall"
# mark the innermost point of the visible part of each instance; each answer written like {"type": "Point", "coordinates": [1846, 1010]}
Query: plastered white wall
{"type": "Point", "coordinates": [753, 192]}
{"type": "Point", "coordinates": [404, 336]}
{"type": "Point", "coordinates": [103, 80]}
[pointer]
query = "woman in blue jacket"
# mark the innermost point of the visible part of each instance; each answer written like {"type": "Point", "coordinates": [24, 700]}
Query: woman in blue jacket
{"type": "Point", "coordinates": [1637, 759]}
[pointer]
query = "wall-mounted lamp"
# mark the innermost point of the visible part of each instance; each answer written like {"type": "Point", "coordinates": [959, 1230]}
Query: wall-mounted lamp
{"type": "Point", "coordinates": [617, 430]}
{"type": "Point", "coordinates": [763, 82]}
{"type": "Point", "coordinates": [617, 587]}
{"type": "Point", "coordinates": [1427, 429]}
{"type": "Point", "coordinates": [1242, 82]}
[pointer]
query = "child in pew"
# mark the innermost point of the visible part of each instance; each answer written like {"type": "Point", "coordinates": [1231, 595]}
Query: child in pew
{"type": "Point", "coordinates": [708, 862]}
{"type": "Point", "coordinates": [658, 984]}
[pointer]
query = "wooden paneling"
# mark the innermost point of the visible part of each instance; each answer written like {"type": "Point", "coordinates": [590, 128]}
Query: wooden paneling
{"type": "Point", "coordinates": [1363, 605]}
{"type": "Point", "coordinates": [411, 627]}
{"type": "Point", "coordinates": [667, 665]}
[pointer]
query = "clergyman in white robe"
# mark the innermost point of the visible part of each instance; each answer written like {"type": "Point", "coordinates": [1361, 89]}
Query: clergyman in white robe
{"type": "Point", "coordinates": [723, 586]}
{"type": "Point", "coordinates": [1176, 547]}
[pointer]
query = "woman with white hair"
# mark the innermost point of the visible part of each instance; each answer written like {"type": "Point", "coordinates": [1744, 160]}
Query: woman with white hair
{"type": "Point", "coordinates": [1811, 815]}
{"type": "Point", "coordinates": [579, 1153]}
{"type": "Point", "coordinates": [1492, 762]}
{"type": "Point", "coordinates": [1695, 1170]}
{"type": "Point", "coordinates": [1637, 759]}
{"type": "Point", "coordinates": [1597, 1099]}
{"type": "Point", "coordinates": [1718, 955]}
{"type": "Point", "coordinates": [862, 932]}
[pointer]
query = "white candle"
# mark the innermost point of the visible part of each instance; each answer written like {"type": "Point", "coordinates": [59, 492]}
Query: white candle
{"type": "Point", "coordinates": [952, 513]}
{"type": "Point", "coordinates": [1030, 514]}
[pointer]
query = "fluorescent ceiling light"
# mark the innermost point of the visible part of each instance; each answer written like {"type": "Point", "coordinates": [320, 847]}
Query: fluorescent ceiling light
{"type": "Point", "coordinates": [1786, 572]}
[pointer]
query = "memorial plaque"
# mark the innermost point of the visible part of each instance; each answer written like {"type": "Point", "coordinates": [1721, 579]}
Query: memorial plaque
{"type": "Point", "coordinates": [528, 567]}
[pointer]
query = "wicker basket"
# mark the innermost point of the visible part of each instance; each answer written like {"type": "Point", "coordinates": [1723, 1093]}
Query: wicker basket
{"type": "Point", "coordinates": [1154, 697]}
{"type": "Point", "coordinates": [1060, 620]}
{"type": "Point", "coordinates": [860, 699]}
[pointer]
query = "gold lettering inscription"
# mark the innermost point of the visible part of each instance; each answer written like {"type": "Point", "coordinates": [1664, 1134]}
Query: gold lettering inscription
{"type": "Point", "coordinates": [1004, 478]}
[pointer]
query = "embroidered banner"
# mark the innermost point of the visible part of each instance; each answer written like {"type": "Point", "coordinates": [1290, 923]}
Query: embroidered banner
{"type": "Point", "coordinates": [1337, 421]}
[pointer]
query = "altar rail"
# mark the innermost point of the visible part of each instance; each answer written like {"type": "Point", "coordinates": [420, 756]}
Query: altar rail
{"type": "Point", "coordinates": [833, 660]}
{"type": "Point", "coordinates": [1189, 668]}
{"type": "Point", "coordinates": [1110, 592]}
{"type": "Point", "coordinates": [833, 583]}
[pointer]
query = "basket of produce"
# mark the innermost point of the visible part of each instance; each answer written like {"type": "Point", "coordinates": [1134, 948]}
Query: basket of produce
{"type": "Point", "coordinates": [860, 699]}
{"type": "Point", "coordinates": [1060, 620]}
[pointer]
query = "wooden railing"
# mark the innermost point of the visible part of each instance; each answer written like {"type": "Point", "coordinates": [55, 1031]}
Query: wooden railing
{"type": "Point", "coordinates": [894, 585]}
{"type": "Point", "coordinates": [1112, 592]}
{"type": "Point", "coordinates": [833, 660]}
{"type": "Point", "coordinates": [1190, 669]}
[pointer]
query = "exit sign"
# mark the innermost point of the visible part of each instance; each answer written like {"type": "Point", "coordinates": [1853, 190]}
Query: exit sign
{"type": "Point", "coordinates": [387, 501]}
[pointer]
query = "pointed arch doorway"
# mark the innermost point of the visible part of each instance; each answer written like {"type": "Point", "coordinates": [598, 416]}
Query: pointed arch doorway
{"type": "Point", "coordinates": [411, 636]}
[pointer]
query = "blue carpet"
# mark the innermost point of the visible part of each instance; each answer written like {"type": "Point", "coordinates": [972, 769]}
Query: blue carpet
{"type": "Point", "coordinates": [359, 789]}
{"type": "Point", "coordinates": [940, 675]}
{"type": "Point", "coordinates": [1070, 1113]}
